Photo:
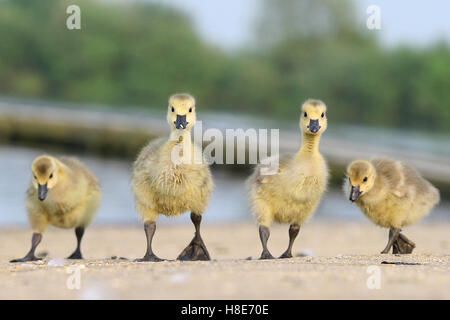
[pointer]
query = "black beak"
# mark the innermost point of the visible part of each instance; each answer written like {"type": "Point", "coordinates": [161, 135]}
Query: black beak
{"type": "Point", "coordinates": [42, 191]}
{"type": "Point", "coordinates": [354, 193]}
{"type": "Point", "coordinates": [181, 122]}
{"type": "Point", "coordinates": [314, 125]}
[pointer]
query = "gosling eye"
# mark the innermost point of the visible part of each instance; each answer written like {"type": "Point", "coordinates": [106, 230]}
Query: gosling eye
{"type": "Point", "coordinates": [51, 176]}
{"type": "Point", "coordinates": [365, 179]}
{"type": "Point", "coordinates": [190, 109]}
{"type": "Point", "coordinates": [35, 178]}
{"type": "Point", "coordinates": [323, 114]}
{"type": "Point", "coordinates": [173, 109]}
{"type": "Point", "coordinates": [305, 114]}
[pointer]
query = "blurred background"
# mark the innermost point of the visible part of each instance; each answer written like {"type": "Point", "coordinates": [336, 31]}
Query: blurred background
{"type": "Point", "coordinates": [101, 92]}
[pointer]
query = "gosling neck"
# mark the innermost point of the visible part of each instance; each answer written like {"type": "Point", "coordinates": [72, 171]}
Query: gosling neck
{"type": "Point", "coordinates": [310, 144]}
{"type": "Point", "coordinates": [176, 134]}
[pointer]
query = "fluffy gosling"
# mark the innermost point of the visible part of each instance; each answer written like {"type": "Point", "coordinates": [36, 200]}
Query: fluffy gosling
{"type": "Point", "coordinates": [167, 180]}
{"type": "Point", "coordinates": [392, 195]}
{"type": "Point", "coordinates": [63, 193]}
{"type": "Point", "coordinates": [293, 193]}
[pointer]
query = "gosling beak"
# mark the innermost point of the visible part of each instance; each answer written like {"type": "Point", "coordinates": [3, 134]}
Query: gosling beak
{"type": "Point", "coordinates": [42, 191]}
{"type": "Point", "coordinates": [181, 122]}
{"type": "Point", "coordinates": [354, 193]}
{"type": "Point", "coordinates": [314, 126]}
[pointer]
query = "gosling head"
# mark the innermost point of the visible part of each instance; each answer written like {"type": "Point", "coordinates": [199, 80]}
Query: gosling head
{"type": "Point", "coordinates": [313, 119]}
{"type": "Point", "coordinates": [361, 175]}
{"type": "Point", "coordinates": [45, 175]}
{"type": "Point", "coordinates": [181, 113]}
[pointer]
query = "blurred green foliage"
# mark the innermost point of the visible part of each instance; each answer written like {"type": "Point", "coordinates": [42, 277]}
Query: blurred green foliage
{"type": "Point", "coordinates": [140, 53]}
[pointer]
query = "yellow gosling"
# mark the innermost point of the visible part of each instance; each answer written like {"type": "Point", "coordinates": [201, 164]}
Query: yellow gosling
{"type": "Point", "coordinates": [63, 193]}
{"type": "Point", "coordinates": [162, 184]}
{"type": "Point", "coordinates": [392, 195]}
{"type": "Point", "coordinates": [293, 193]}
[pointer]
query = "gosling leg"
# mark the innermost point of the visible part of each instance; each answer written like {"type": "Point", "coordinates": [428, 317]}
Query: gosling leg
{"type": "Point", "coordinates": [264, 234]}
{"type": "Point", "coordinates": [35, 240]}
{"type": "Point", "coordinates": [79, 232]}
{"type": "Point", "coordinates": [149, 228]}
{"type": "Point", "coordinates": [403, 245]}
{"type": "Point", "coordinates": [393, 236]}
{"type": "Point", "coordinates": [196, 250]}
{"type": "Point", "coordinates": [294, 229]}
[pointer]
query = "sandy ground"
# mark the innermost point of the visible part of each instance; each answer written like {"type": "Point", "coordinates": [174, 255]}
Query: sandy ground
{"type": "Point", "coordinates": [336, 266]}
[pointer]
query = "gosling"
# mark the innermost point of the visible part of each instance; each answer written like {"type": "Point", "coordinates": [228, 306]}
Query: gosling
{"type": "Point", "coordinates": [63, 193]}
{"type": "Point", "coordinates": [171, 177]}
{"type": "Point", "coordinates": [392, 195]}
{"type": "Point", "coordinates": [292, 194]}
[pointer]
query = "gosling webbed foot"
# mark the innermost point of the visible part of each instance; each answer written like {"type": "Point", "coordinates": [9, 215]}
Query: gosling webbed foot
{"type": "Point", "coordinates": [195, 251]}
{"type": "Point", "coordinates": [149, 258]}
{"type": "Point", "coordinates": [286, 255]}
{"type": "Point", "coordinates": [35, 240]}
{"type": "Point", "coordinates": [266, 255]}
{"type": "Point", "coordinates": [403, 245]}
{"type": "Point", "coordinates": [76, 255]}
{"type": "Point", "coordinates": [26, 259]}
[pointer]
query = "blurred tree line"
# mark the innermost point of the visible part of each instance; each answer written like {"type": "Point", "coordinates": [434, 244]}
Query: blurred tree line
{"type": "Point", "coordinates": [140, 53]}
